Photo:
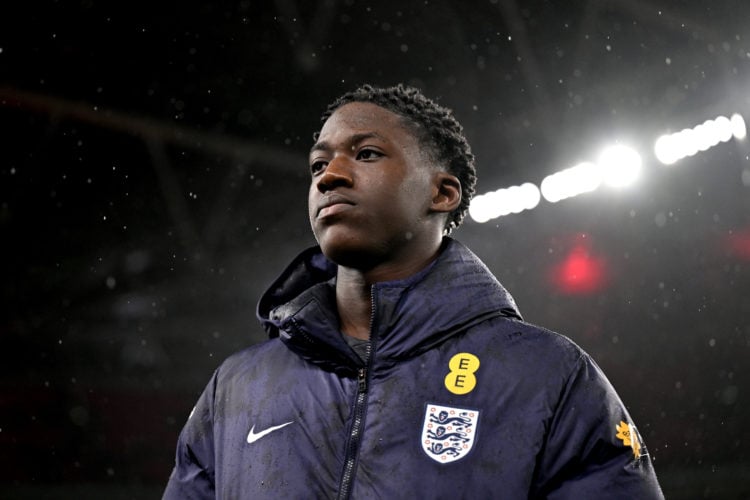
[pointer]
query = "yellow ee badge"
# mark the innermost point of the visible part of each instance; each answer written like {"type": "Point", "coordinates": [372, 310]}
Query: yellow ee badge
{"type": "Point", "coordinates": [461, 380]}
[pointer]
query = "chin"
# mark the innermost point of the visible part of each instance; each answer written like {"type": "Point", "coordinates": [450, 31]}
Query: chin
{"type": "Point", "coordinates": [349, 251]}
{"type": "Point", "coordinates": [353, 257]}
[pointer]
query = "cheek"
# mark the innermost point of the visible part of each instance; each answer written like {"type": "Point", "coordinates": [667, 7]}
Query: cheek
{"type": "Point", "coordinates": [418, 193]}
{"type": "Point", "coordinates": [310, 201]}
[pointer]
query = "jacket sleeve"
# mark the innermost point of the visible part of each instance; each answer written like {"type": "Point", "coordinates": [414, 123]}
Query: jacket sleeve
{"type": "Point", "coordinates": [593, 449]}
{"type": "Point", "coordinates": [193, 473]}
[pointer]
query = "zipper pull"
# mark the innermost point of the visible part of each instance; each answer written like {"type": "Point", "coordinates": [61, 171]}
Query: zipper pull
{"type": "Point", "coordinates": [362, 379]}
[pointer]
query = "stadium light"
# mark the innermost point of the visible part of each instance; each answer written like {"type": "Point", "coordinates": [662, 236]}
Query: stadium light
{"type": "Point", "coordinates": [572, 181]}
{"type": "Point", "coordinates": [739, 131]}
{"type": "Point", "coordinates": [620, 165]}
{"type": "Point", "coordinates": [670, 148]}
{"type": "Point", "coordinates": [512, 200]}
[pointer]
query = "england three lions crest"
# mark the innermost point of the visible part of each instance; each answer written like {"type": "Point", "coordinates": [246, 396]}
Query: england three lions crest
{"type": "Point", "coordinates": [448, 433]}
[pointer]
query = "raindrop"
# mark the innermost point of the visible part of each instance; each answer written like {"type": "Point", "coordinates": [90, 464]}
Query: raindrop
{"type": "Point", "coordinates": [79, 416]}
{"type": "Point", "coordinates": [660, 219]}
{"type": "Point", "coordinates": [729, 395]}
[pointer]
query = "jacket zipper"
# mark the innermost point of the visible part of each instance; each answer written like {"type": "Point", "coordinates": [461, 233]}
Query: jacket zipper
{"type": "Point", "coordinates": [355, 435]}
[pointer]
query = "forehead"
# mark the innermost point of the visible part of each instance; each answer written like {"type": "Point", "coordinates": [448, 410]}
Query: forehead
{"type": "Point", "coordinates": [364, 117]}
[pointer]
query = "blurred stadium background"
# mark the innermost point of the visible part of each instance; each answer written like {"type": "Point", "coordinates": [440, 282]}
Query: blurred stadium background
{"type": "Point", "coordinates": [153, 181]}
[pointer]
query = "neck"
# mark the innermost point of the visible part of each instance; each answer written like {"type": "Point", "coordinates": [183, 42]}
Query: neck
{"type": "Point", "coordinates": [354, 290]}
{"type": "Point", "coordinates": [354, 303]}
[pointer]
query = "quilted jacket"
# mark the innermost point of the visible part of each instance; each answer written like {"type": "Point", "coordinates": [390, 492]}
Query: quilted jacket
{"type": "Point", "coordinates": [457, 398]}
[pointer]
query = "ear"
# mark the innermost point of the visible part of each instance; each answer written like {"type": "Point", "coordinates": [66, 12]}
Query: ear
{"type": "Point", "coordinates": [446, 192]}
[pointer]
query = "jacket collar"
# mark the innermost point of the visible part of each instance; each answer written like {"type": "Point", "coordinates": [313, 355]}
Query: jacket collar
{"type": "Point", "coordinates": [411, 315]}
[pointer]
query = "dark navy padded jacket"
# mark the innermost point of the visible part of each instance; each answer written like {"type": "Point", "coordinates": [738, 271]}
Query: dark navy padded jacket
{"type": "Point", "coordinates": [459, 398]}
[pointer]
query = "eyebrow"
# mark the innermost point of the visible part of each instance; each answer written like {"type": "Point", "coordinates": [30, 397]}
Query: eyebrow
{"type": "Point", "coordinates": [354, 139]}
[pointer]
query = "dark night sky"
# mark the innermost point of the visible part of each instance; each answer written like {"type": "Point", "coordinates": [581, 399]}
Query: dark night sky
{"type": "Point", "coordinates": [153, 181]}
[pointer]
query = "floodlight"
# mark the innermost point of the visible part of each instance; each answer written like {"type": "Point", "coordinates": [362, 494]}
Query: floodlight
{"type": "Point", "coordinates": [573, 181]}
{"type": "Point", "coordinates": [738, 126]}
{"type": "Point", "coordinates": [620, 165]}
{"type": "Point", "coordinates": [512, 200]}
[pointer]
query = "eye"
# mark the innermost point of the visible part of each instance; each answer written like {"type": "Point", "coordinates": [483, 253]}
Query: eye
{"type": "Point", "coordinates": [368, 154]}
{"type": "Point", "coordinates": [317, 166]}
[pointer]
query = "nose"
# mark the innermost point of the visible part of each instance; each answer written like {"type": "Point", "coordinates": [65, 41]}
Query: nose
{"type": "Point", "coordinates": [337, 174]}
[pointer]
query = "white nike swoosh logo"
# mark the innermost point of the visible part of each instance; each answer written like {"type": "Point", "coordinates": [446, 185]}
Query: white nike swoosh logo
{"type": "Point", "coordinates": [253, 437]}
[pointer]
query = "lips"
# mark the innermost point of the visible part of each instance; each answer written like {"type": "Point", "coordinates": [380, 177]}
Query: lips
{"type": "Point", "coordinates": [332, 204]}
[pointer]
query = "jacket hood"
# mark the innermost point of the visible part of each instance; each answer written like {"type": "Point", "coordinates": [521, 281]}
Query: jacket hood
{"type": "Point", "coordinates": [308, 269]}
{"type": "Point", "coordinates": [453, 292]}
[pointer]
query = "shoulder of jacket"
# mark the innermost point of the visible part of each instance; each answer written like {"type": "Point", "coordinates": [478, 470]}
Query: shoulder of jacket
{"type": "Point", "coordinates": [263, 352]}
{"type": "Point", "coordinates": [530, 341]}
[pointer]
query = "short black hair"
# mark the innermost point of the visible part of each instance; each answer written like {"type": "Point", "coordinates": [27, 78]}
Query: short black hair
{"type": "Point", "coordinates": [435, 128]}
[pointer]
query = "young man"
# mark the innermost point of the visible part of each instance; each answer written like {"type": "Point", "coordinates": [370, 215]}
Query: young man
{"type": "Point", "coordinates": [398, 366]}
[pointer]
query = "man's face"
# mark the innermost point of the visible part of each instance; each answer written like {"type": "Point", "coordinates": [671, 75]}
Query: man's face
{"type": "Point", "coordinates": [371, 187]}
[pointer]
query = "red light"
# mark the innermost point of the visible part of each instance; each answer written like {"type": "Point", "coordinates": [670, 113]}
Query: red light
{"type": "Point", "coordinates": [580, 273]}
{"type": "Point", "coordinates": [738, 243]}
